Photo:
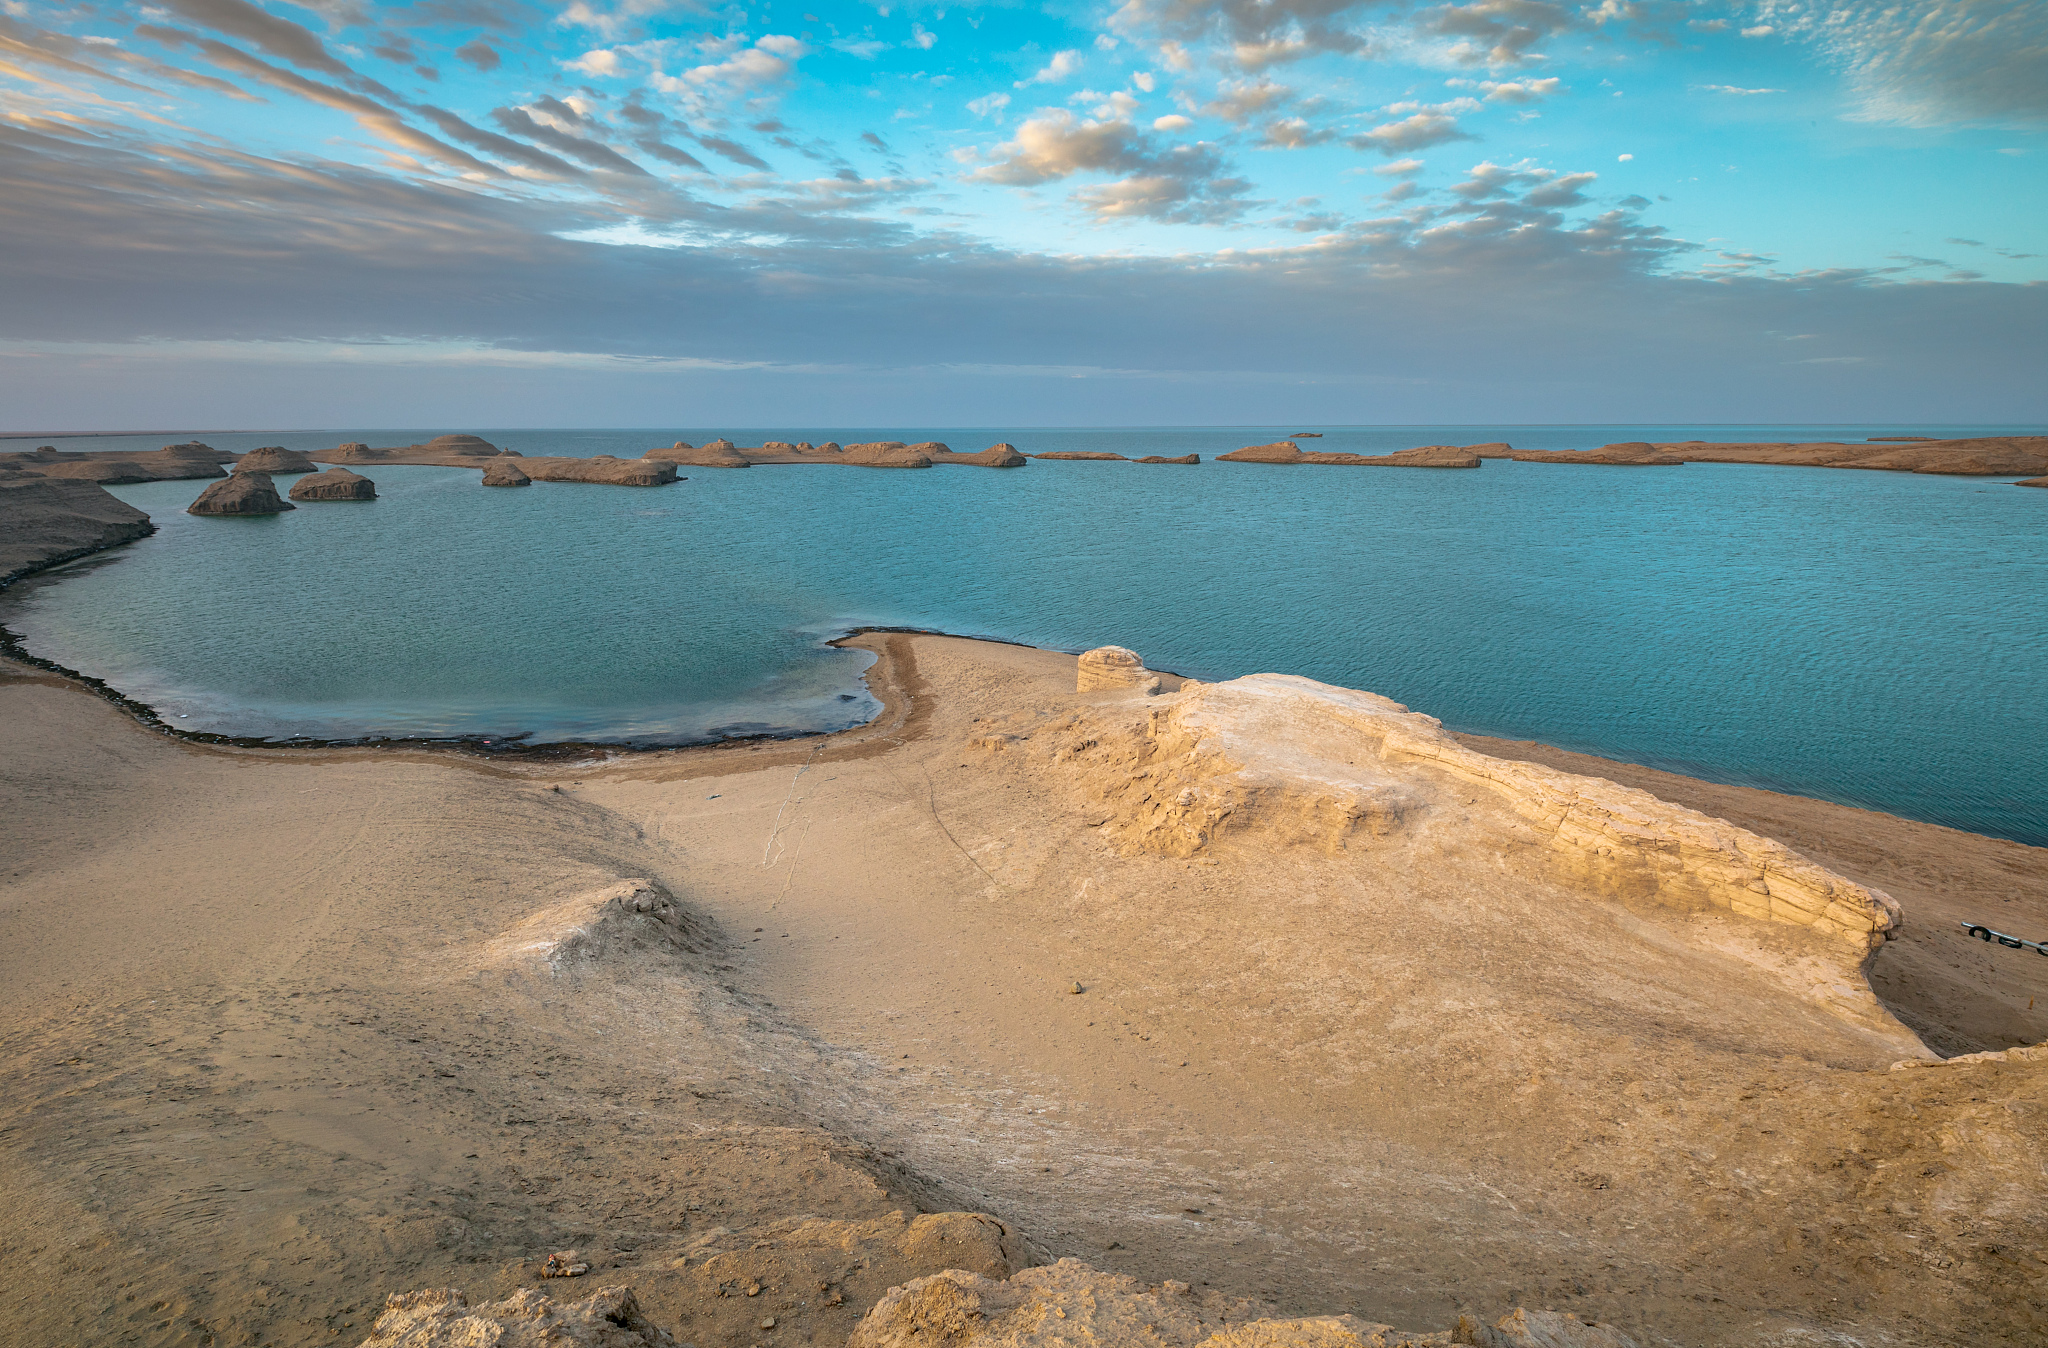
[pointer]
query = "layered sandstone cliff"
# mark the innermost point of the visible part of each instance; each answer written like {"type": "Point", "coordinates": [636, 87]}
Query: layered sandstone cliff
{"type": "Point", "coordinates": [1335, 768]}
{"type": "Point", "coordinates": [45, 522]}
{"type": "Point", "coordinates": [1287, 452]}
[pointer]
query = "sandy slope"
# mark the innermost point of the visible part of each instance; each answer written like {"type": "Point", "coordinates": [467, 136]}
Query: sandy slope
{"type": "Point", "coordinates": [286, 1032]}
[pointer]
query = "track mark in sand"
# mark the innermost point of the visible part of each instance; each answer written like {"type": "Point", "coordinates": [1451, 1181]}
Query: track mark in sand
{"type": "Point", "coordinates": [790, 878]}
{"type": "Point", "coordinates": [775, 829]}
{"type": "Point", "coordinates": [931, 797]}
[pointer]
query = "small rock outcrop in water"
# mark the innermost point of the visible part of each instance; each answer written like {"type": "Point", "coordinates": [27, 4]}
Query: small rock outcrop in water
{"type": "Point", "coordinates": [886, 454]}
{"type": "Point", "coordinates": [2033, 482]}
{"type": "Point", "coordinates": [274, 459]}
{"type": "Point", "coordinates": [443, 1318]}
{"type": "Point", "coordinates": [1070, 1303]}
{"type": "Point", "coordinates": [717, 454]}
{"type": "Point", "coordinates": [1161, 458]}
{"type": "Point", "coordinates": [190, 460]}
{"type": "Point", "coordinates": [1080, 454]}
{"type": "Point", "coordinates": [1287, 452]}
{"type": "Point", "coordinates": [1113, 667]}
{"type": "Point", "coordinates": [995, 456]}
{"type": "Point", "coordinates": [336, 484]}
{"type": "Point", "coordinates": [603, 469]}
{"type": "Point", "coordinates": [242, 494]}
{"type": "Point", "coordinates": [505, 472]}
{"type": "Point", "coordinates": [44, 521]}
{"type": "Point", "coordinates": [1626, 454]}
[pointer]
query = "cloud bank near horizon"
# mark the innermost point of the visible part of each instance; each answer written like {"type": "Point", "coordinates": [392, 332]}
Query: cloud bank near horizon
{"type": "Point", "coordinates": [589, 218]}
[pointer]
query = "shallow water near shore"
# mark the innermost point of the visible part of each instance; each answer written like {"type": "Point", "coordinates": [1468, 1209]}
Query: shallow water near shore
{"type": "Point", "coordinates": [1869, 638]}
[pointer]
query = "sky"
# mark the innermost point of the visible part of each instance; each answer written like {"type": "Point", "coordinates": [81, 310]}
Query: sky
{"type": "Point", "coordinates": [640, 212]}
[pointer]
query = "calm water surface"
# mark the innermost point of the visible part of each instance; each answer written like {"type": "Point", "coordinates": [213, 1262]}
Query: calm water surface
{"type": "Point", "coordinates": [1871, 638]}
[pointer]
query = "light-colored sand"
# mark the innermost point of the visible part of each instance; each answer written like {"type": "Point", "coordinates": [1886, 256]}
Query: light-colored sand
{"type": "Point", "coordinates": [284, 1032]}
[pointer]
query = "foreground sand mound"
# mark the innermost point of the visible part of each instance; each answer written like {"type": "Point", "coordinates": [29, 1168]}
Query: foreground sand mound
{"type": "Point", "coordinates": [1627, 454]}
{"type": "Point", "coordinates": [335, 484]}
{"type": "Point", "coordinates": [505, 472]}
{"type": "Point", "coordinates": [44, 522]}
{"type": "Point", "coordinates": [274, 459]}
{"type": "Point", "coordinates": [443, 1318]}
{"type": "Point", "coordinates": [1338, 768]}
{"type": "Point", "coordinates": [1072, 1304]}
{"type": "Point", "coordinates": [631, 920]}
{"type": "Point", "coordinates": [243, 494]}
{"type": "Point", "coordinates": [1287, 452]}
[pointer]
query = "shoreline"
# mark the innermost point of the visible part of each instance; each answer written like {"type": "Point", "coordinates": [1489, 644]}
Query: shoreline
{"type": "Point", "coordinates": [500, 750]}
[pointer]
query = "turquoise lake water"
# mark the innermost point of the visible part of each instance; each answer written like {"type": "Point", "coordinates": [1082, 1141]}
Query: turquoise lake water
{"type": "Point", "coordinates": [1870, 638]}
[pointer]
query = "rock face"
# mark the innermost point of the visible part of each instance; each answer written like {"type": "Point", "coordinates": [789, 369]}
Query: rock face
{"type": "Point", "coordinates": [274, 459]}
{"type": "Point", "coordinates": [336, 484]}
{"type": "Point", "coordinates": [242, 494]}
{"type": "Point", "coordinates": [1987, 456]}
{"type": "Point", "coordinates": [1336, 768]}
{"type": "Point", "coordinates": [1071, 1305]}
{"type": "Point", "coordinates": [505, 472]}
{"type": "Point", "coordinates": [886, 454]}
{"type": "Point", "coordinates": [602, 469]}
{"type": "Point", "coordinates": [1287, 452]}
{"type": "Point", "coordinates": [1161, 458]}
{"type": "Point", "coordinates": [995, 456]}
{"type": "Point", "coordinates": [443, 1318]}
{"type": "Point", "coordinates": [1079, 454]}
{"type": "Point", "coordinates": [46, 521]}
{"type": "Point", "coordinates": [172, 462]}
{"type": "Point", "coordinates": [1113, 667]}
{"type": "Point", "coordinates": [1627, 454]}
{"type": "Point", "coordinates": [717, 454]}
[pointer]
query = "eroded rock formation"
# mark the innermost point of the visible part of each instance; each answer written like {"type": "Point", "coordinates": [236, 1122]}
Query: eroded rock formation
{"type": "Point", "coordinates": [44, 522]}
{"type": "Point", "coordinates": [172, 462]}
{"type": "Point", "coordinates": [717, 454]}
{"type": "Point", "coordinates": [274, 459]}
{"type": "Point", "coordinates": [603, 469]}
{"type": "Point", "coordinates": [443, 1318]}
{"type": "Point", "coordinates": [995, 456]}
{"type": "Point", "coordinates": [1626, 454]}
{"type": "Point", "coordinates": [1113, 668]}
{"type": "Point", "coordinates": [1080, 454]}
{"type": "Point", "coordinates": [243, 494]}
{"type": "Point", "coordinates": [1072, 1305]}
{"type": "Point", "coordinates": [1287, 452]}
{"type": "Point", "coordinates": [504, 472]}
{"type": "Point", "coordinates": [1162, 458]}
{"type": "Point", "coordinates": [1336, 768]}
{"type": "Point", "coordinates": [1985, 456]}
{"type": "Point", "coordinates": [2033, 482]}
{"type": "Point", "coordinates": [335, 484]}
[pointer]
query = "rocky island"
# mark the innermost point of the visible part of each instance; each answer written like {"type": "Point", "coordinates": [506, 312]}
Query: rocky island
{"type": "Point", "coordinates": [873, 454]}
{"type": "Point", "coordinates": [1287, 452]}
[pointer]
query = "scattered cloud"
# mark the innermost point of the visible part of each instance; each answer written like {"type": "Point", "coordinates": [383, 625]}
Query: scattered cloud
{"type": "Point", "coordinates": [1294, 133]}
{"type": "Point", "coordinates": [1173, 121]}
{"type": "Point", "coordinates": [1237, 102]}
{"type": "Point", "coordinates": [1399, 168]}
{"type": "Point", "coordinates": [1062, 66]}
{"type": "Point", "coordinates": [1928, 62]}
{"type": "Point", "coordinates": [989, 105]}
{"type": "Point", "coordinates": [1736, 90]}
{"type": "Point", "coordinates": [1416, 132]}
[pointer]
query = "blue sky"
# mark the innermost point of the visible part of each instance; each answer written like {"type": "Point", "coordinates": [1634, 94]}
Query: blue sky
{"type": "Point", "coordinates": [1515, 208]}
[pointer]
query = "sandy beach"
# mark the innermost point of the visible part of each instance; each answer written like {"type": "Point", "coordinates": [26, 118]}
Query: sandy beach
{"type": "Point", "coordinates": [288, 1031]}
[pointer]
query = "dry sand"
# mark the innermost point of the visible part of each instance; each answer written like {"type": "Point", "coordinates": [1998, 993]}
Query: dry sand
{"type": "Point", "coordinates": [288, 1031]}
